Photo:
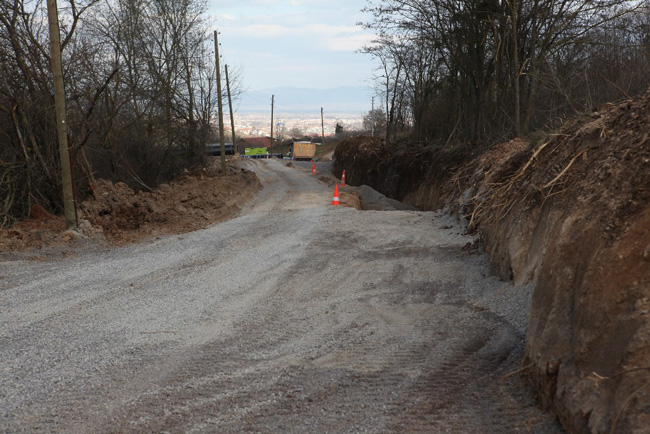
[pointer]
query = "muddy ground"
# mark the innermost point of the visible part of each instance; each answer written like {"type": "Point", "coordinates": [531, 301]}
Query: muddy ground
{"type": "Point", "coordinates": [571, 214]}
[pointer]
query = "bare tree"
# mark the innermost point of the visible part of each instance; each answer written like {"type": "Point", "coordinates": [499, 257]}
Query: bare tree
{"type": "Point", "coordinates": [478, 70]}
{"type": "Point", "coordinates": [140, 98]}
{"type": "Point", "coordinates": [29, 159]}
{"type": "Point", "coordinates": [389, 83]}
{"type": "Point", "coordinates": [375, 120]}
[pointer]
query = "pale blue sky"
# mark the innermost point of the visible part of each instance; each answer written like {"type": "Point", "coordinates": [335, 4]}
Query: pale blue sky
{"type": "Point", "coordinates": [301, 43]}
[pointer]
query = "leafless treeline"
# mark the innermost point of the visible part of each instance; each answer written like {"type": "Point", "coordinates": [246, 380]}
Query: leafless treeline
{"type": "Point", "coordinates": [140, 90]}
{"type": "Point", "coordinates": [484, 70]}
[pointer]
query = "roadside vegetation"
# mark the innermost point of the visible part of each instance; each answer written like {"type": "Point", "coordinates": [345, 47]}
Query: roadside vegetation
{"type": "Point", "coordinates": [481, 71]}
{"type": "Point", "coordinates": [140, 89]}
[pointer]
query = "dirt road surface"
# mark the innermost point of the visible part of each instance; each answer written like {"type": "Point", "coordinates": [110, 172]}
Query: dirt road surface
{"type": "Point", "coordinates": [296, 316]}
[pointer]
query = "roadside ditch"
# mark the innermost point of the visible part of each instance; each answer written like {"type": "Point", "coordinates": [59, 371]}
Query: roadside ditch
{"type": "Point", "coordinates": [569, 215]}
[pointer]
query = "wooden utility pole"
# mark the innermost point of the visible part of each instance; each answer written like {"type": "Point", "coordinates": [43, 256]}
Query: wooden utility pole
{"type": "Point", "coordinates": [220, 105]}
{"type": "Point", "coordinates": [61, 125]}
{"type": "Point", "coordinates": [272, 104]}
{"type": "Point", "coordinates": [322, 126]}
{"type": "Point", "coordinates": [232, 115]}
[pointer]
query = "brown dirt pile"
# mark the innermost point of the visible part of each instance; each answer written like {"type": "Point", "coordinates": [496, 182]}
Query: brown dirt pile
{"type": "Point", "coordinates": [573, 215]}
{"type": "Point", "coordinates": [119, 215]}
{"type": "Point", "coordinates": [40, 229]}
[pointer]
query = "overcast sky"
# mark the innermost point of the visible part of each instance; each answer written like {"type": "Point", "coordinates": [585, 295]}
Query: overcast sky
{"type": "Point", "coordinates": [300, 43]}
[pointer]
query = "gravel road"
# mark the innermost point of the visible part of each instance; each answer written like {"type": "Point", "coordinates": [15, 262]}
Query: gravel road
{"type": "Point", "coordinates": [297, 316]}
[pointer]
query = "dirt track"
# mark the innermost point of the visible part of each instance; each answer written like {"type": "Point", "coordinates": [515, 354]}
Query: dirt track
{"type": "Point", "coordinates": [294, 317]}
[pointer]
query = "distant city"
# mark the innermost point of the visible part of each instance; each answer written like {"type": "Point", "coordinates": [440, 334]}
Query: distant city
{"type": "Point", "coordinates": [288, 125]}
{"type": "Point", "coordinates": [297, 111]}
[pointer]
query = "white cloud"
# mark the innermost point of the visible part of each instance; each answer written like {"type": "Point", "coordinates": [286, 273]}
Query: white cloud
{"type": "Point", "coordinates": [282, 42]}
{"type": "Point", "coordinates": [262, 30]}
{"type": "Point", "coordinates": [257, 56]}
{"type": "Point", "coordinates": [326, 29]}
{"type": "Point", "coordinates": [347, 43]}
{"type": "Point", "coordinates": [334, 38]}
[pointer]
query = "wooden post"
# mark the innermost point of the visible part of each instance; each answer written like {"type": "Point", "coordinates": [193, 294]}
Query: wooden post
{"type": "Point", "coordinates": [61, 125]}
{"type": "Point", "coordinates": [272, 105]}
{"type": "Point", "coordinates": [232, 115]}
{"type": "Point", "coordinates": [220, 105]}
{"type": "Point", "coordinates": [322, 126]}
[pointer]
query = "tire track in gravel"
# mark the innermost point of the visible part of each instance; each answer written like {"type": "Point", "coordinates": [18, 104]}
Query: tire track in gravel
{"type": "Point", "coordinates": [402, 379]}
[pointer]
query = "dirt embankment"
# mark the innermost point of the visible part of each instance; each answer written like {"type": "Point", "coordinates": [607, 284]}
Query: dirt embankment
{"type": "Point", "coordinates": [118, 215]}
{"type": "Point", "coordinates": [572, 215]}
{"type": "Point", "coordinates": [414, 175]}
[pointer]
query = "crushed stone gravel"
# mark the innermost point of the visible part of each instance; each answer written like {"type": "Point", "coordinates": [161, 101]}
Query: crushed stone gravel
{"type": "Point", "coordinates": [296, 316]}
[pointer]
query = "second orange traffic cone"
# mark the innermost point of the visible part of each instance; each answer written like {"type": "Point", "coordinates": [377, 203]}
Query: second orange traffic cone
{"type": "Point", "coordinates": [335, 199]}
{"type": "Point", "coordinates": [313, 167]}
{"type": "Point", "coordinates": [343, 179]}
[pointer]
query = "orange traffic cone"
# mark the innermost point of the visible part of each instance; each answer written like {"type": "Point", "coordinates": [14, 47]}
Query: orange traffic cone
{"type": "Point", "coordinates": [313, 168]}
{"type": "Point", "coordinates": [335, 199]}
{"type": "Point", "coordinates": [267, 155]}
{"type": "Point", "coordinates": [343, 179]}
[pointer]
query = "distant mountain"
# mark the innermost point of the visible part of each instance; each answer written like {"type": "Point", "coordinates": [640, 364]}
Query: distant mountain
{"type": "Point", "coordinates": [344, 99]}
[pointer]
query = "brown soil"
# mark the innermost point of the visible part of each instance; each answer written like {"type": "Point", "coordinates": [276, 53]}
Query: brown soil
{"type": "Point", "coordinates": [119, 215]}
{"type": "Point", "coordinates": [572, 215]}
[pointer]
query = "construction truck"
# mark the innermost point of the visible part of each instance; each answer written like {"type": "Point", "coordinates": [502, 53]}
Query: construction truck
{"type": "Point", "coordinates": [303, 150]}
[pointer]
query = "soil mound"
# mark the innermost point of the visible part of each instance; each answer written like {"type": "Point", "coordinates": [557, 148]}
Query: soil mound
{"type": "Point", "coordinates": [39, 229]}
{"type": "Point", "coordinates": [118, 215]}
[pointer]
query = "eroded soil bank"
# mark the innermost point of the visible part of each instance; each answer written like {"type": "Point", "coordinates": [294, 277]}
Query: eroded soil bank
{"type": "Point", "coordinates": [572, 215]}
